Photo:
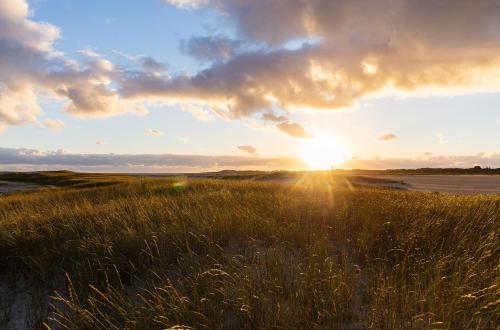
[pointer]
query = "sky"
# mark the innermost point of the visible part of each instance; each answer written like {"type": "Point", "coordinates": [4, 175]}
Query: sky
{"type": "Point", "coordinates": [202, 85]}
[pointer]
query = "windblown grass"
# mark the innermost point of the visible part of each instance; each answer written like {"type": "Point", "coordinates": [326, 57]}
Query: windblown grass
{"type": "Point", "coordinates": [153, 254]}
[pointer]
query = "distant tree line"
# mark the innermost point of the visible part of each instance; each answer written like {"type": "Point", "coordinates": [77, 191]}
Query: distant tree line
{"type": "Point", "coordinates": [427, 171]}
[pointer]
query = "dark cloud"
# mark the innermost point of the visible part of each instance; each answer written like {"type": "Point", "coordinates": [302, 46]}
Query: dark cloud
{"type": "Point", "coordinates": [211, 48]}
{"type": "Point", "coordinates": [248, 149]}
{"type": "Point", "coordinates": [293, 129]}
{"type": "Point", "coordinates": [150, 64]}
{"type": "Point", "coordinates": [32, 159]}
{"type": "Point", "coordinates": [13, 159]}
{"type": "Point", "coordinates": [269, 116]}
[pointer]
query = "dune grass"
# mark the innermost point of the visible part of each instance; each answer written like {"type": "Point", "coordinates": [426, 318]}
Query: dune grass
{"type": "Point", "coordinates": [67, 179]}
{"type": "Point", "coordinates": [153, 254]}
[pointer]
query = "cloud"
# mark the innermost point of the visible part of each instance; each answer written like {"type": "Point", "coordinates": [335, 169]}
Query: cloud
{"type": "Point", "coordinates": [364, 48]}
{"type": "Point", "coordinates": [188, 4]}
{"type": "Point", "coordinates": [387, 137]}
{"type": "Point", "coordinates": [150, 64]}
{"type": "Point", "coordinates": [441, 139]}
{"type": "Point", "coordinates": [99, 142]}
{"type": "Point", "coordinates": [32, 159]}
{"type": "Point", "coordinates": [30, 64]}
{"type": "Point", "coordinates": [109, 20]}
{"type": "Point", "coordinates": [211, 48]}
{"type": "Point", "coordinates": [18, 106]}
{"type": "Point", "coordinates": [344, 51]}
{"type": "Point", "coordinates": [153, 132]}
{"type": "Point", "coordinates": [55, 125]}
{"type": "Point", "coordinates": [127, 56]}
{"type": "Point", "coordinates": [248, 149]}
{"type": "Point", "coordinates": [16, 25]}
{"type": "Point", "coordinates": [269, 116]}
{"type": "Point", "coordinates": [293, 129]}
{"type": "Point", "coordinates": [199, 111]}
{"type": "Point", "coordinates": [183, 139]}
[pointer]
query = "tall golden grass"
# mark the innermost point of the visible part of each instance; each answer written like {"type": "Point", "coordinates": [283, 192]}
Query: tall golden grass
{"type": "Point", "coordinates": [155, 254]}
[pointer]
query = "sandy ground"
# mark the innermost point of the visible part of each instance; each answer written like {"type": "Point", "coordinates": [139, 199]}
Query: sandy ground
{"type": "Point", "coordinates": [455, 184]}
{"type": "Point", "coordinates": [8, 187]}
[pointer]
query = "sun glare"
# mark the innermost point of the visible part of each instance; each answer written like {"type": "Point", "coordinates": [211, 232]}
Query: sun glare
{"type": "Point", "coordinates": [322, 153]}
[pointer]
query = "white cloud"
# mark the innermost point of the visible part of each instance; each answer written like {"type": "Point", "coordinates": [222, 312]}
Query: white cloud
{"type": "Point", "coordinates": [130, 57]}
{"type": "Point", "coordinates": [441, 138]}
{"type": "Point", "coordinates": [99, 142]}
{"type": "Point", "coordinates": [387, 137]}
{"type": "Point", "coordinates": [183, 139]}
{"type": "Point", "coordinates": [188, 4]}
{"type": "Point", "coordinates": [199, 111]}
{"type": "Point", "coordinates": [153, 132]}
{"type": "Point", "coordinates": [18, 106]}
{"type": "Point", "coordinates": [30, 64]}
{"type": "Point", "coordinates": [55, 125]}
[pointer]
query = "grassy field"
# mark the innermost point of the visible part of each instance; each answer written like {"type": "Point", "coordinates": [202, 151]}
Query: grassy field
{"type": "Point", "coordinates": [116, 252]}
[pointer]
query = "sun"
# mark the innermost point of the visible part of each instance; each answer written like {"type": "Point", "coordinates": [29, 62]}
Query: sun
{"type": "Point", "coordinates": [322, 153]}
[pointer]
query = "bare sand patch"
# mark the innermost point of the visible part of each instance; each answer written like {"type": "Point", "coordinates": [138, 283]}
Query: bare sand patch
{"type": "Point", "coordinates": [8, 187]}
{"type": "Point", "coordinates": [454, 184]}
